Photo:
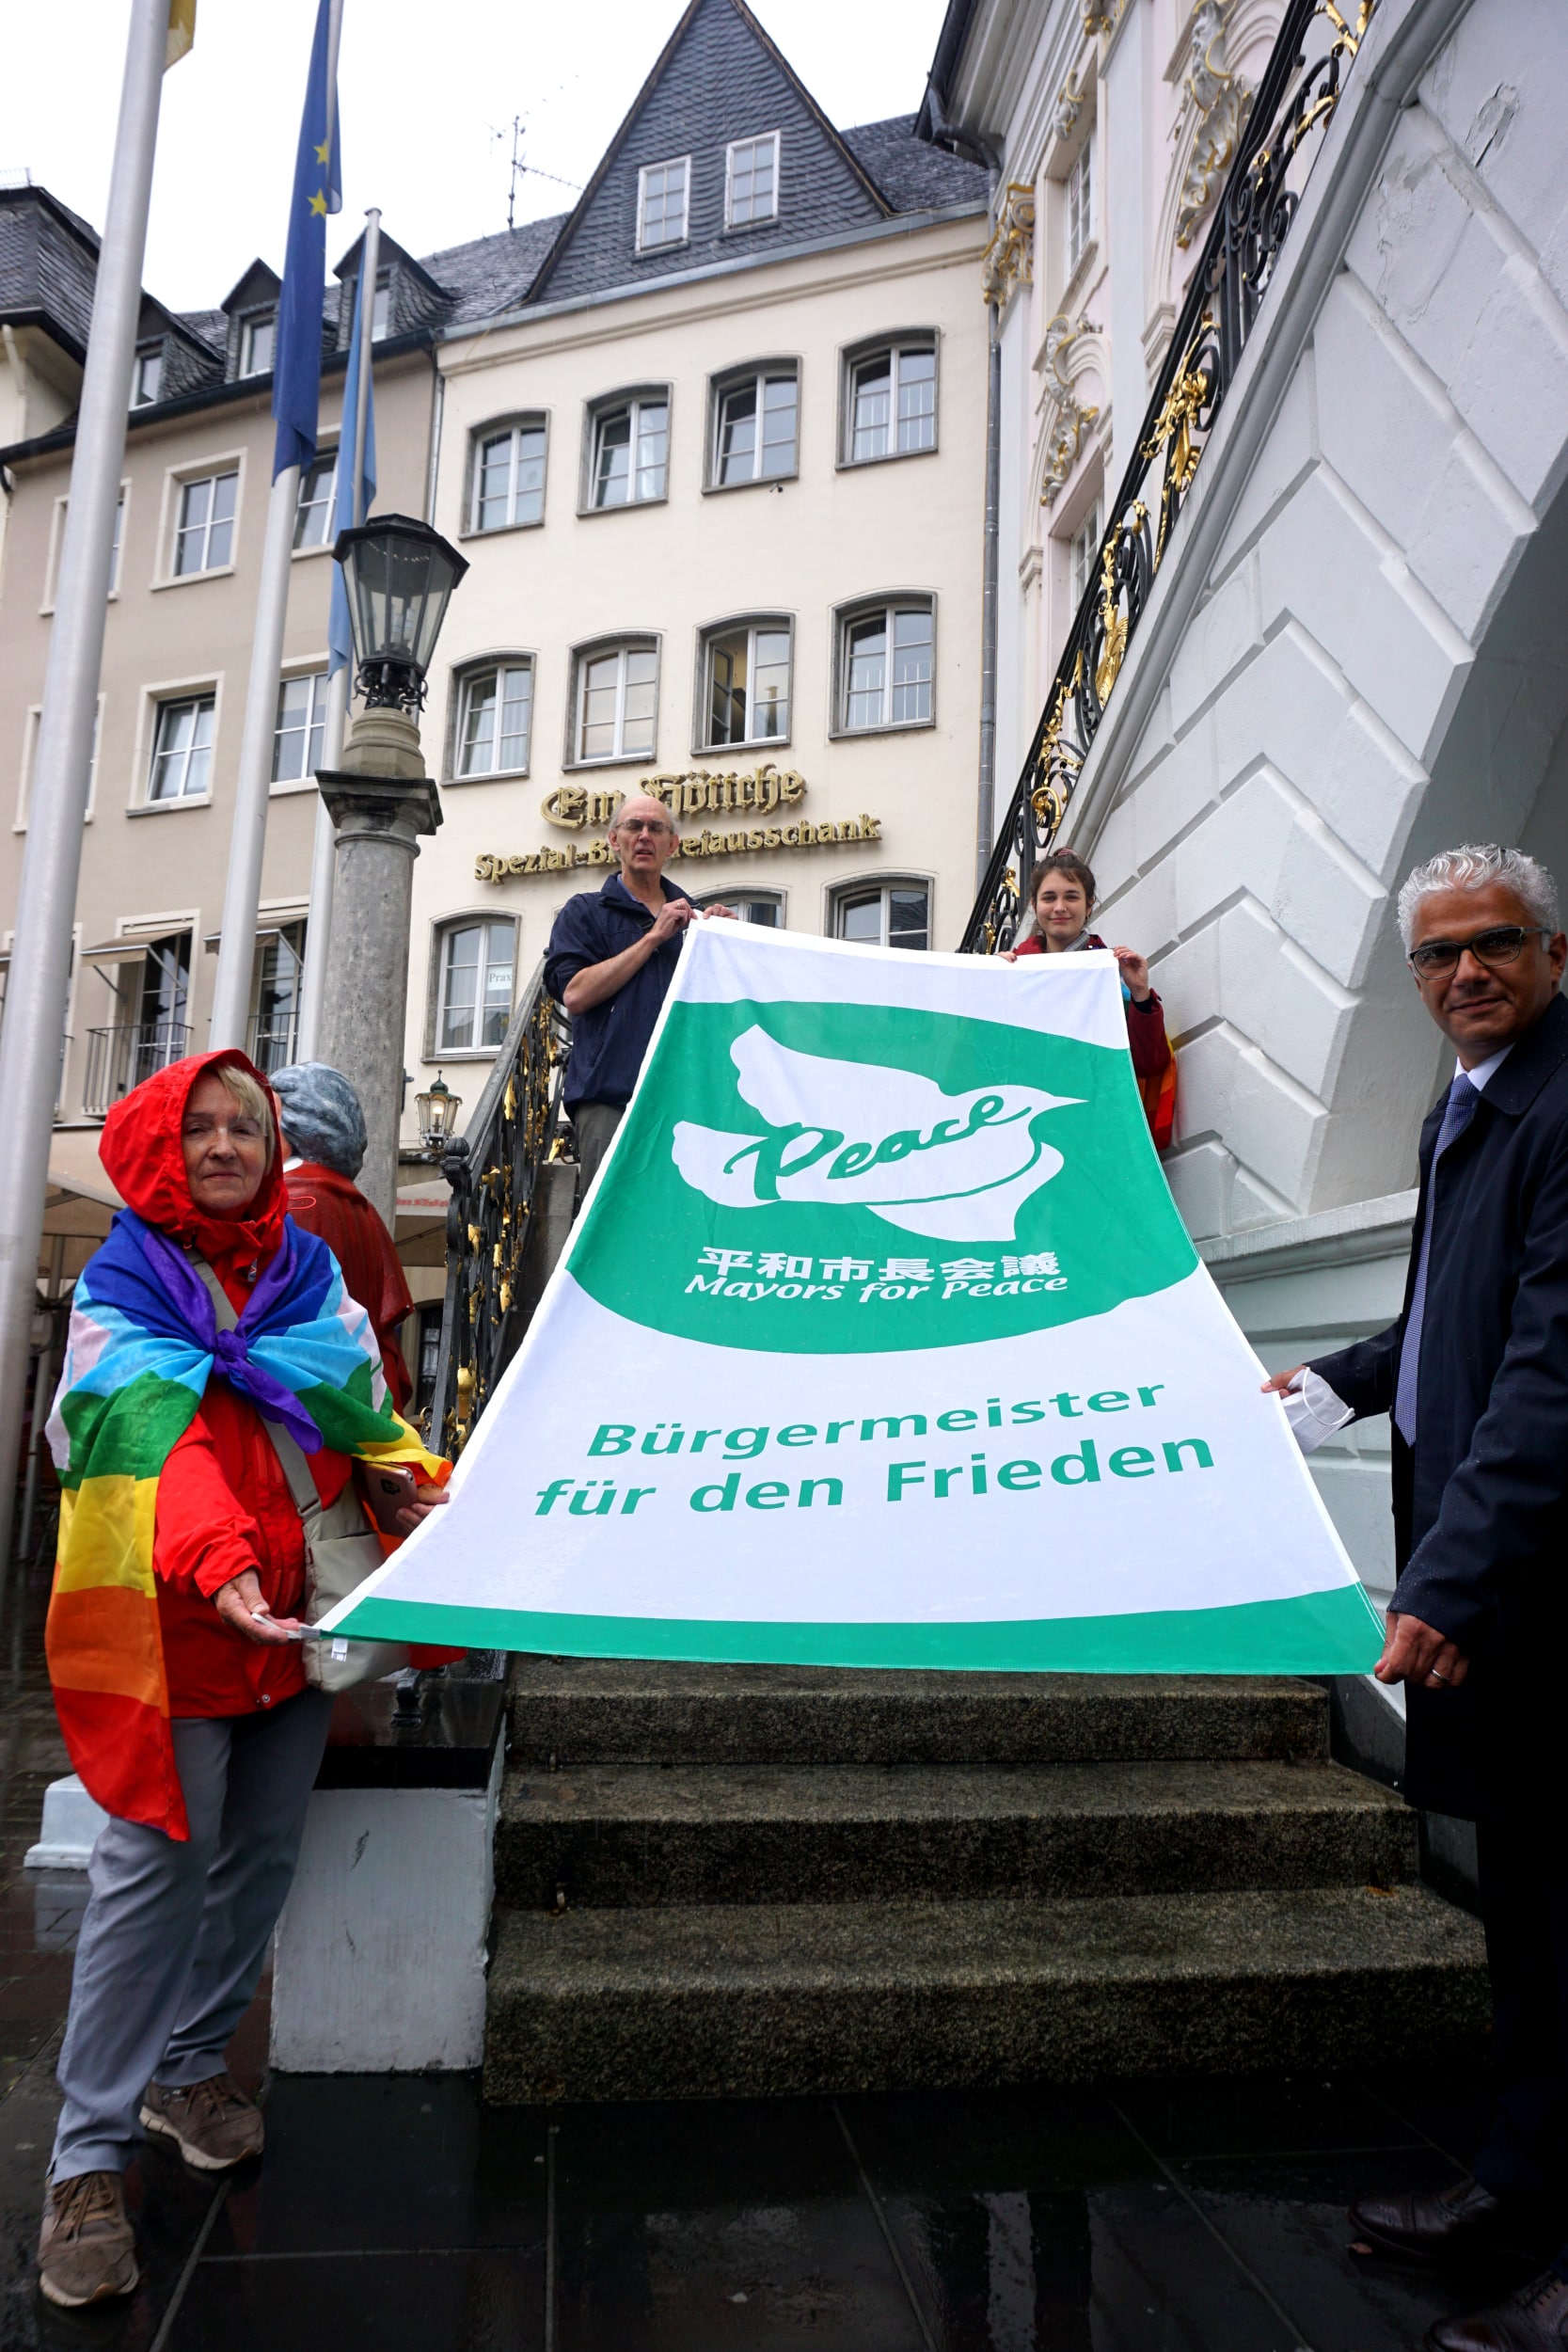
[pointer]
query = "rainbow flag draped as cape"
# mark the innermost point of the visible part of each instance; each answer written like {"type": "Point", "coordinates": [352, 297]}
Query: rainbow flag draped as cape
{"type": "Point", "coordinates": [142, 1346]}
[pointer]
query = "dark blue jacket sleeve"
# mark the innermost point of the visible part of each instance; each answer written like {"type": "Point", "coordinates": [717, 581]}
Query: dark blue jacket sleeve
{"type": "Point", "coordinates": [1363, 1376]}
{"type": "Point", "coordinates": [575, 944]}
{"type": "Point", "coordinates": [1503, 1505]}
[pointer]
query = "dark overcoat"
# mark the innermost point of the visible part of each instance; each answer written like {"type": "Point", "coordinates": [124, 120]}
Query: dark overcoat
{"type": "Point", "coordinates": [1480, 1501]}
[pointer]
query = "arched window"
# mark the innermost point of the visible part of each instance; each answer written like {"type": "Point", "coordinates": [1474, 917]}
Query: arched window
{"type": "Point", "coordinates": [475, 968]}
{"type": "Point", "coordinates": [508, 475]}
{"type": "Point", "coordinates": [886, 665]}
{"type": "Point", "coordinates": [884, 913]}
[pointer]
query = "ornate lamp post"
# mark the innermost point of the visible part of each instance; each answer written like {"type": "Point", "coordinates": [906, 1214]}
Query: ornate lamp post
{"type": "Point", "coordinates": [436, 1111]}
{"type": "Point", "coordinates": [399, 575]}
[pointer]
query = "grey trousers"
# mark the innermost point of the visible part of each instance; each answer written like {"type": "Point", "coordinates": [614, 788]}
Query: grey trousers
{"type": "Point", "coordinates": [174, 1932]}
{"type": "Point", "coordinates": [593, 1125]}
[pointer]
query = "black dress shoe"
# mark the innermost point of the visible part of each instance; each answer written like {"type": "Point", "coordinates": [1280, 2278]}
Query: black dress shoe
{"type": "Point", "coordinates": [1534, 2320]}
{"type": "Point", "coordinates": [1442, 2228]}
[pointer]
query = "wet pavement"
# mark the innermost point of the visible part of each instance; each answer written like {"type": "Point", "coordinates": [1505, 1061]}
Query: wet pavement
{"type": "Point", "coordinates": [396, 2212]}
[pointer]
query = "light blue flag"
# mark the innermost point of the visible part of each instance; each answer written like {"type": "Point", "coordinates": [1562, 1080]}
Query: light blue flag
{"type": "Point", "coordinates": [340, 638]}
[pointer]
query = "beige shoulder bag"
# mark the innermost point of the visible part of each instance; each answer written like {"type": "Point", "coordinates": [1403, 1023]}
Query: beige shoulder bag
{"type": "Point", "coordinates": [340, 1547]}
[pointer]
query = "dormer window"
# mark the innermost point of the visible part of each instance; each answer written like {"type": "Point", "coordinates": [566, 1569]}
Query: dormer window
{"type": "Point", "coordinates": [147, 377]}
{"type": "Point", "coordinates": [258, 338]}
{"type": "Point", "coordinates": [751, 180]}
{"type": "Point", "coordinates": [381, 313]}
{"type": "Point", "coordinates": [662, 194]}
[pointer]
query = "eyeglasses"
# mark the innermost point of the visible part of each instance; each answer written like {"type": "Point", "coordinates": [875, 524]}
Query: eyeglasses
{"type": "Point", "coordinates": [1493, 948]}
{"type": "Point", "coordinates": [644, 824]}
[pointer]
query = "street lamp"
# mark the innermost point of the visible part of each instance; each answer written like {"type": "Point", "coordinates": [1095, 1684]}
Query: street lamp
{"type": "Point", "coordinates": [398, 575]}
{"type": "Point", "coordinates": [436, 1110]}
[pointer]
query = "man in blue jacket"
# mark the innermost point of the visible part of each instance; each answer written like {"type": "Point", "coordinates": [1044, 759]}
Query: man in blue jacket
{"type": "Point", "coordinates": [1475, 1374]}
{"type": "Point", "coordinates": [612, 955]}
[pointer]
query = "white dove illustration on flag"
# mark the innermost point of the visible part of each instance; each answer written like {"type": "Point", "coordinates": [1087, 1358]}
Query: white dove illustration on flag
{"type": "Point", "coordinates": [952, 1167]}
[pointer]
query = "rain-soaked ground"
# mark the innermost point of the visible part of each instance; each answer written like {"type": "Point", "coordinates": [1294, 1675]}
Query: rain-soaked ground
{"type": "Point", "coordinates": [395, 2212]}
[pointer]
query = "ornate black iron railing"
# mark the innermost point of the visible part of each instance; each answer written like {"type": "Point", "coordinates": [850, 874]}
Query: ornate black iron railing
{"type": "Point", "coordinates": [493, 1169]}
{"type": "Point", "coordinates": [1234, 270]}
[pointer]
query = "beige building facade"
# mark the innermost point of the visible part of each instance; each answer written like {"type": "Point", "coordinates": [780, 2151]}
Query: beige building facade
{"type": "Point", "coordinates": [790, 660]}
{"type": "Point", "coordinates": [714, 445]}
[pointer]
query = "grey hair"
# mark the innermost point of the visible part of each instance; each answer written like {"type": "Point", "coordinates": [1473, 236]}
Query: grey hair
{"type": "Point", "coordinates": [251, 1099]}
{"type": "Point", "coordinates": [1471, 868]}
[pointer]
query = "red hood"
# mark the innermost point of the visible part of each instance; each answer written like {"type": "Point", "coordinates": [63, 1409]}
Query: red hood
{"type": "Point", "coordinates": [141, 1155]}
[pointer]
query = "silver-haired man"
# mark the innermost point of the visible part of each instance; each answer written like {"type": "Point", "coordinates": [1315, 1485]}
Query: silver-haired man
{"type": "Point", "coordinates": [1475, 1374]}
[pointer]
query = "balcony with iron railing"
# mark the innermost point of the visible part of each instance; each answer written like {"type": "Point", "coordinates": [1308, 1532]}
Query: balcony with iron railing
{"type": "Point", "coordinates": [121, 1057]}
{"type": "Point", "coordinates": [1295, 99]}
{"type": "Point", "coordinates": [273, 1041]}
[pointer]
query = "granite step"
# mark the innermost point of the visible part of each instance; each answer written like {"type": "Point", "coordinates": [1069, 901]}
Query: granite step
{"type": "Point", "coordinates": [642, 1836]}
{"type": "Point", "coordinates": [690, 2001]}
{"type": "Point", "coordinates": [580, 1710]}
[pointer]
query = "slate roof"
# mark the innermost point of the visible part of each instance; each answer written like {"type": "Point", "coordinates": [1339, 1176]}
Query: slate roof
{"type": "Point", "coordinates": [914, 176]}
{"type": "Point", "coordinates": [48, 262]}
{"type": "Point", "coordinates": [718, 78]}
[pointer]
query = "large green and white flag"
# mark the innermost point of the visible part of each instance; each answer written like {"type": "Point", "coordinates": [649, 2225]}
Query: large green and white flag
{"type": "Point", "coordinates": [881, 1343]}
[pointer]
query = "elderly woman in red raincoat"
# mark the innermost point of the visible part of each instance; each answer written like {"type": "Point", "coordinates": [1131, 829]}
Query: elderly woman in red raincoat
{"type": "Point", "coordinates": [174, 1635]}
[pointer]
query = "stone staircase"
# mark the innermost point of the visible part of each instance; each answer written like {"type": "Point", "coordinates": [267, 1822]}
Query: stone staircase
{"type": "Point", "coordinates": [755, 1880]}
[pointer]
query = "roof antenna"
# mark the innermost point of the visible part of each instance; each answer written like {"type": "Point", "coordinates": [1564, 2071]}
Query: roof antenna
{"type": "Point", "coordinates": [520, 169]}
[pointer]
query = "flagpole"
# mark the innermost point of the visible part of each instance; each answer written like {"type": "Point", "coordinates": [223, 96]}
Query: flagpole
{"type": "Point", "coordinates": [248, 837]}
{"type": "Point", "coordinates": [318, 930]}
{"type": "Point", "coordinates": [39, 978]}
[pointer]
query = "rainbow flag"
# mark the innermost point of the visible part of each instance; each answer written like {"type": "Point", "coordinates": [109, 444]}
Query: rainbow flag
{"type": "Point", "coordinates": [142, 1346]}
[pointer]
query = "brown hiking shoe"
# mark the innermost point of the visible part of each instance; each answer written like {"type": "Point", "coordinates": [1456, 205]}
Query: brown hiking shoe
{"type": "Point", "coordinates": [211, 2123]}
{"type": "Point", "coordinates": [86, 2249]}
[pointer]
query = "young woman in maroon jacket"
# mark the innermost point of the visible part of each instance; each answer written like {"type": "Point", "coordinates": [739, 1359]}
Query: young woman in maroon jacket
{"type": "Point", "coordinates": [1061, 898]}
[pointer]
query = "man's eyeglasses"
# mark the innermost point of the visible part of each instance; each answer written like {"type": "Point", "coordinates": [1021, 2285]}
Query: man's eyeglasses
{"type": "Point", "coordinates": [643, 824]}
{"type": "Point", "coordinates": [1500, 945]}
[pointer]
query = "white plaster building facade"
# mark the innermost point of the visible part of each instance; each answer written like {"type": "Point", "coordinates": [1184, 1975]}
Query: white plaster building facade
{"type": "Point", "coordinates": [1351, 657]}
{"type": "Point", "coordinates": [1110, 130]}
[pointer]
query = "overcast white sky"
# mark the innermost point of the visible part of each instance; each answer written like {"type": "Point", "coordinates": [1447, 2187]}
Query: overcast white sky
{"type": "Point", "coordinates": [422, 89]}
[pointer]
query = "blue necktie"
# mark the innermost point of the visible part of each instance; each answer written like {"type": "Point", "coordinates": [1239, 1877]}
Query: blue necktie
{"type": "Point", "coordinates": [1460, 1108]}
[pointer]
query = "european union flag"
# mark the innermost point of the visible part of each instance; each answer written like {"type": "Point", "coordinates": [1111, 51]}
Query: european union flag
{"type": "Point", "coordinates": [318, 190]}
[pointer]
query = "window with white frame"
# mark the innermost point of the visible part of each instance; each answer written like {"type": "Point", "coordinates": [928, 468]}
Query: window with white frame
{"type": "Point", "coordinates": [296, 743]}
{"type": "Point", "coordinates": [755, 426]}
{"type": "Point", "coordinates": [884, 914]}
{"type": "Point", "coordinates": [275, 1023]}
{"type": "Point", "coordinates": [616, 704]}
{"type": "Point", "coordinates": [257, 341]}
{"type": "Point", "coordinates": [30, 754]}
{"type": "Point", "coordinates": [204, 531]}
{"type": "Point", "coordinates": [493, 716]}
{"type": "Point", "coordinates": [56, 542]}
{"type": "Point", "coordinates": [318, 487]}
{"type": "Point", "coordinates": [147, 377]}
{"type": "Point", "coordinates": [663, 191]}
{"type": "Point", "coordinates": [1079, 203]}
{"type": "Point", "coordinates": [381, 309]}
{"type": "Point", "coordinates": [473, 988]}
{"type": "Point", "coordinates": [181, 761]}
{"type": "Point", "coordinates": [886, 661]}
{"type": "Point", "coordinates": [751, 180]}
{"type": "Point", "coordinates": [631, 450]}
{"type": "Point", "coordinates": [893, 403]}
{"type": "Point", "coordinates": [509, 476]}
{"type": "Point", "coordinates": [750, 906]}
{"type": "Point", "coordinates": [1082, 548]}
{"type": "Point", "coordinates": [746, 684]}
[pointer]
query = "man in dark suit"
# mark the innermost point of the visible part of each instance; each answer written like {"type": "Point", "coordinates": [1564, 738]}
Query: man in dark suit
{"type": "Point", "coordinates": [1475, 1374]}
